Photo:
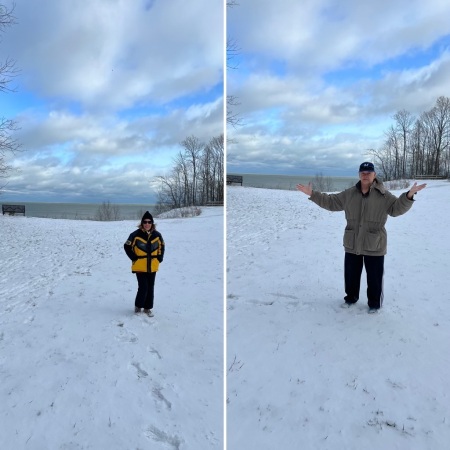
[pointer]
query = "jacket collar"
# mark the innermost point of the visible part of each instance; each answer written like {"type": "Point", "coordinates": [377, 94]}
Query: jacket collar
{"type": "Point", "coordinates": [377, 184]}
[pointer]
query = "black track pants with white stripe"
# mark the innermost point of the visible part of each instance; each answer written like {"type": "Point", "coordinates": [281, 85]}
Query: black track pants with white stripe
{"type": "Point", "coordinates": [375, 270]}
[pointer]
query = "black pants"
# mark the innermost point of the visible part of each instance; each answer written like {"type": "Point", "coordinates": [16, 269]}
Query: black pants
{"type": "Point", "coordinates": [374, 269]}
{"type": "Point", "coordinates": [145, 293]}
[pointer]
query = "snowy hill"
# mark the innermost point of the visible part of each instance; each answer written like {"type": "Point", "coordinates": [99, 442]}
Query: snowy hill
{"type": "Point", "coordinates": [302, 372]}
{"type": "Point", "coordinates": [78, 369]}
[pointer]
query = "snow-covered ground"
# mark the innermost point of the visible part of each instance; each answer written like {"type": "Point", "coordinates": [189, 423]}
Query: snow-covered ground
{"type": "Point", "coordinates": [302, 372]}
{"type": "Point", "coordinates": [78, 369]}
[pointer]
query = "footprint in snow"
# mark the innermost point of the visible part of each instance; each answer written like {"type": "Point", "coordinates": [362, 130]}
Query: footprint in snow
{"type": "Point", "coordinates": [159, 396]}
{"type": "Point", "coordinates": [161, 436]}
{"type": "Point", "coordinates": [155, 352]}
{"type": "Point", "coordinates": [126, 336]}
{"type": "Point", "coordinates": [141, 373]}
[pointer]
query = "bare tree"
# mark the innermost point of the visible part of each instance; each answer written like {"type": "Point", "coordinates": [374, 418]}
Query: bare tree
{"type": "Point", "coordinates": [107, 212]}
{"type": "Point", "coordinates": [418, 141]}
{"type": "Point", "coordinates": [193, 148]}
{"type": "Point", "coordinates": [440, 122]}
{"type": "Point", "coordinates": [213, 164]}
{"type": "Point", "coordinates": [404, 121]}
{"type": "Point", "coordinates": [427, 123]}
{"type": "Point", "coordinates": [197, 176]}
{"type": "Point", "coordinates": [417, 147]}
{"type": "Point", "coordinates": [168, 192]}
{"type": "Point", "coordinates": [322, 184]}
{"type": "Point", "coordinates": [7, 72]}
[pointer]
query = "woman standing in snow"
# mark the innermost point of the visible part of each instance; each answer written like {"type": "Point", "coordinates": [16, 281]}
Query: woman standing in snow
{"type": "Point", "coordinates": [145, 247]}
{"type": "Point", "coordinates": [367, 206]}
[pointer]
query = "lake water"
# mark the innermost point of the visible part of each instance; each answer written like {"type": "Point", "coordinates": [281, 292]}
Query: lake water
{"type": "Point", "coordinates": [88, 211]}
{"type": "Point", "coordinates": [288, 182]}
{"type": "Point", "coordinates": [79, 211]}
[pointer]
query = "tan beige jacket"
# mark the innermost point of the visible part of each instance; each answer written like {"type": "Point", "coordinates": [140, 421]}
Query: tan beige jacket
{"type": "Point", "coordinates": [366, 216]}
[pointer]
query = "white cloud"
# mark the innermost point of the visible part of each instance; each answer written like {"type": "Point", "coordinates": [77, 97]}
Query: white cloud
{"type": "Point", "coordinates": [318, 82]}
{"type": "Point", "coordinates": [114, 54]}
{"type": "Point", "coordinates": [318, 35]}
{"type": "Point", "coordinates": [109, 88]}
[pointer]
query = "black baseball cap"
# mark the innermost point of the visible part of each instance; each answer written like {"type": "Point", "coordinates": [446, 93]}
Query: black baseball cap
{"type": "Point", "coordinates": [366, 167]}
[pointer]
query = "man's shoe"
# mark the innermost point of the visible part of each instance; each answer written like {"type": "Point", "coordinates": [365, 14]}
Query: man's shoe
{"type": "Point", "coordinates": [137, 310]}
{"type": "Point", "coordinates": [373, 310]}
{"type": "Point", "coordinates": [346, 305]}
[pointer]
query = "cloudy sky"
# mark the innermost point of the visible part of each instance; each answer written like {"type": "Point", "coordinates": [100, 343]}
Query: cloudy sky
{"type": "Point", "coordinates": [106, 92]}
{"type": "Point", "coordinates": [318, 81]}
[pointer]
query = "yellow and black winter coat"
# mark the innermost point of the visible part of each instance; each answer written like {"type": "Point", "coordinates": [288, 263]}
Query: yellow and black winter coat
{"type": "Point", "coordinates": [146, 250]}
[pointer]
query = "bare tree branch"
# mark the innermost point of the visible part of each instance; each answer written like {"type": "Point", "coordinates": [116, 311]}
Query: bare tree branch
{"type": "Point", "coordinates": [7, 72]}
{"type": "Point", "coordinates": [233, 119]}
{"type": "Point", "coordinates": [197, 177]}
{"type": "Point", "coordinates": [416, 146]}
{"type": "Point", "coordinates": [232, 51]}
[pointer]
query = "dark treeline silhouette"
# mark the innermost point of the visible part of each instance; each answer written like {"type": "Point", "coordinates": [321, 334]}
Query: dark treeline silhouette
{"type": "Point", "coordinates": [197, 177]}
{"type": "Point", "coordinates": [416, 145]}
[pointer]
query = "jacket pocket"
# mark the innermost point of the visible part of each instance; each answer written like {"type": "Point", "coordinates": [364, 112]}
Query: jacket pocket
{"type": "Point", "coordinates": [372, 242]}
{"type": "Point", "coordinates": [154, 265]}
{"type": "Point", "coordinates": [349, 239]}
{"type": "Point", "coordinates": [139, 265]}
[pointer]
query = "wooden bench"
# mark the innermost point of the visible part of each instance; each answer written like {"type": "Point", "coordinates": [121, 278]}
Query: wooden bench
{"type": "Point", "coordinates": [214, 203]}
{"type": "Point", "coordinates": [13, 209]}
{"type": "Point", "coordinates": [234, 179]}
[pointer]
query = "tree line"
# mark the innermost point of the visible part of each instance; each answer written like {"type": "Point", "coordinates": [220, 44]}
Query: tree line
{"type": "Point", "coordinates": [197, 176]}
{"type": "Point", "coordinates": [416, 145]}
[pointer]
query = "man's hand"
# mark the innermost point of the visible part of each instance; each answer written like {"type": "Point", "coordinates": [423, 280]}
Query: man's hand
{"type": "Point", "coordinates": [414, 189]}
{"type": "Point", "coordinates": [305, 189]}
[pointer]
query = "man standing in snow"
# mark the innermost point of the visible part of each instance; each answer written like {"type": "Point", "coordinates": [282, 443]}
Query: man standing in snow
{"type": "Point", "coordinates": [367, 206]}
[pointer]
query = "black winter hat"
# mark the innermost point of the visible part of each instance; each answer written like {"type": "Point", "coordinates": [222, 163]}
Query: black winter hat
{"type": "Point", "coordinates": [148, 216]}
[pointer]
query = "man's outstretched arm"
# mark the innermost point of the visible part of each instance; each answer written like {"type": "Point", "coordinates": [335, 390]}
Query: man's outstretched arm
{"type": "Point", "coordinates": [305, 189]}
{"type": "Point", "coordinates": [415, 189]}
